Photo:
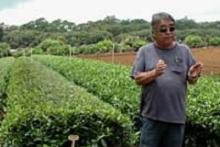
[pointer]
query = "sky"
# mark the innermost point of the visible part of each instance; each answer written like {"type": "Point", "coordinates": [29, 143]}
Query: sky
{"type": "Point", "coordinates": [18, 12]}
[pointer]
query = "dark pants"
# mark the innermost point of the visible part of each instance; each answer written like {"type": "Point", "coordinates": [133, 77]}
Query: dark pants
{"type": "Point", "coordinates": [160, 134]}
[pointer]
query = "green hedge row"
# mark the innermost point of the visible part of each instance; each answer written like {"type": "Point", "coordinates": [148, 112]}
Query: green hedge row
{"type": "Point", "coordinates": [5, 66]}
{"type": "Point", "coordinates": [203, 112]}
{"type": "Point", "coordinates": [109, 82]}
{"type": "Point", "coordinates": [44, 108]}
{"type": "Point", "coordinates": [112, 83]}
{"type": "Point", "coordinates": [204, 102]}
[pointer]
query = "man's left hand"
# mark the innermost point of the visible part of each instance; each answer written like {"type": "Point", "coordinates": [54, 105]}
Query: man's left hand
{"type": "Point", "coordinates": [195, 70]}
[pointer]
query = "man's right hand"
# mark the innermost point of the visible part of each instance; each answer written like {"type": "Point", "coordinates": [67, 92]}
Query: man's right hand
{"type": "Point", "coordinates": [160, 67]}
{"type": "Point", "coordinates": [143, 78]}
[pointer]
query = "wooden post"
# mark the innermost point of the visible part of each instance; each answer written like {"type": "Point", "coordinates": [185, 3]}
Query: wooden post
{"type": "Point", "coordinates": [73, 138]}
{"type": "Point", "coordinates": [113, 53]}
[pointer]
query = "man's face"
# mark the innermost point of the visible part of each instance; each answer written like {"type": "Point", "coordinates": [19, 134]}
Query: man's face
{"type": "Point", "coordinates": [165, 33]}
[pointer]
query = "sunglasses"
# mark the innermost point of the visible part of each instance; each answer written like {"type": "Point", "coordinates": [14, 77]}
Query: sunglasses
{"type": "Point", "coordinates": [165, 29]}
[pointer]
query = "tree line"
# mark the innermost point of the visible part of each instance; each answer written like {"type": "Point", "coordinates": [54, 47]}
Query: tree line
{"type": "Point", "coordinates": [98, 36]}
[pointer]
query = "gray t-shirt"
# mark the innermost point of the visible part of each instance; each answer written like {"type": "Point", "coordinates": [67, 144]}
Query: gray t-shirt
{"type": "Point", "coordinates": [163, 99]}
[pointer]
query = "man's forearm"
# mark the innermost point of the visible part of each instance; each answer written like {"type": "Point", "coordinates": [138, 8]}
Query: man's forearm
{"type": "Point", "coordinates": [144, 78]}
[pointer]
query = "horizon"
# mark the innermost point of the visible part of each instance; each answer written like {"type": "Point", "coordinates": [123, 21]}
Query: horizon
{"type": "Point", "coordinates": [19, 12]}
{"type": "Point", "coordinates": [102, 20]}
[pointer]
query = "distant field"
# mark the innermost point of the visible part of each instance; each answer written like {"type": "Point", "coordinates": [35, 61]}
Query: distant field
{"type": "Point", "coordinates": [210, 56]}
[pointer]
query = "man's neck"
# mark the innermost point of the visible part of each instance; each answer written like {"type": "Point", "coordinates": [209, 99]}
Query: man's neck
{"type": "Point", "coordinates": [163, 46]}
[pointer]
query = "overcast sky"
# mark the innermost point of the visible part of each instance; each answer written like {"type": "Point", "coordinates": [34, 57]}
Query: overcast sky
{"type": "Point", "coordinates": [17, 12]}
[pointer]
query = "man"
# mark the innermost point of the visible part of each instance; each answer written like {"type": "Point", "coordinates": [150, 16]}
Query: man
{"type": "Point", "coordinates": [163, 69]}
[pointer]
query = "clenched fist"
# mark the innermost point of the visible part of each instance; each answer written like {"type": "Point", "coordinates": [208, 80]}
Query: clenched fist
{"type": "Point", "coordinates": [160, 67]}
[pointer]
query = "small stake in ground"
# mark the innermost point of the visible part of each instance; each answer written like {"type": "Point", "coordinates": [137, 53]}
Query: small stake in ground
{"type": "Point", "coordinates": [73, 138]}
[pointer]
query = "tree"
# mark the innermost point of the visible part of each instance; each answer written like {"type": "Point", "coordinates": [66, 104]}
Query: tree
{"type": "Point", "coordinates": [23, 38]}
{"type": "Point", "coordinates": [186, 23]}
{"type": "Point", "coordinates": [40, 24]}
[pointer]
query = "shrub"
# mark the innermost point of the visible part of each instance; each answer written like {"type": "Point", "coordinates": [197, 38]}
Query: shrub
{"type": "Point", "coordinates": [4, 49]}
{"type": "Point", "coordinates": [54, 47]}
{"type": "Point", "coordinates": [109, 82]}
{"type": "Point", "coordinates": [214, 41]}
{"type": "Point", "coordinates": [44, 108]}
{"type": "Point", "coordinates": [105, 46]}
{"type": "Point", "coordinates": [5, 67]}
{"type": "Point", "coordinates": [194, 41]}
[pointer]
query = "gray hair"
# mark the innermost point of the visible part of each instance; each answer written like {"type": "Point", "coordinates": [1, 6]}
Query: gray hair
{"type": "Point", "coordinates": [159, 16]}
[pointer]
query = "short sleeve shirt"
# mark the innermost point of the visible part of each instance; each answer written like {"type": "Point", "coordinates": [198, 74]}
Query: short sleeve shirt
{"type": "Point", "coordinates": [163, 99]}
